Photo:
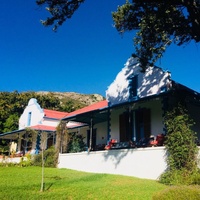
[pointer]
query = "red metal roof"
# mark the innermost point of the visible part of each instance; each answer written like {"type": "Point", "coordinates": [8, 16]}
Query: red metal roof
{"type": "Point", "coordinates": [43, 128]}
{"type": "Point", "coordinates": [95, 106]}
{"type": "Point", "coordinates": [59, 115]}
{"type": "Point", "coordinates": [54, 114]}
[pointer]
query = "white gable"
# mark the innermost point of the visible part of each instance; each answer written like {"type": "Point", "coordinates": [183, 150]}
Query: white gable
{"type": "Point", "coordinates": [33, 115]}
{"type": "Point", "coordinates": [153, 81]}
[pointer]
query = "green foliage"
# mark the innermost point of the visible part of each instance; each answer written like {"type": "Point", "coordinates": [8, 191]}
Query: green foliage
{"type": "Point", "coordinates": [25, 161]}
{"type": "Point", "coordinates": [11, 123]}
{"type": "Point", "coordinates": [50, 158]}
{"type": "Point", "coordinates": [60, 11]}
{"type": "Point", "coordinates": [8, 164]}
{"type": "Point", "coordinates": [4, 147]}
{"type": "Point", "coordinates": [69, 105]}
{"type": "Point", "coordinates": [181, 148]}
{"type": "Point", "coordinates": [178, 192]}
{"type": "Point", "coordinates": [159, 23]}
{"type": "Point", "coordinates": [180, 177]}
{"type": "Point", "coordinates": [180, 140]}
{"type": "Point", "coordinates": [49, 101]}
{"type": "Point", "coordinates": [76, 143]}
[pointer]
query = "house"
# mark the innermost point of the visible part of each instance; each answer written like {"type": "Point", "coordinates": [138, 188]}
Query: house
{"type": "Point", "coordinates": [136, 105]}
{"type": "Point", "coordinates": [134, 108]}
{"type": "Point", "coordinates": [131, 116]}
{"type": "Point", "coordinates": [38, 119]}
{"type": "Point", "coordinates": [42, 121]}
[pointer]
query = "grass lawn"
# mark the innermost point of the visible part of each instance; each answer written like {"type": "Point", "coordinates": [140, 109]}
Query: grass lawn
{"type": "Point", "coordinates": [24, 183]}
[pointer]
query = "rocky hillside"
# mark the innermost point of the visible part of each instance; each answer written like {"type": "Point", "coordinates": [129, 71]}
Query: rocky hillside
{"type": "Point", "coordinates": [84, 99]}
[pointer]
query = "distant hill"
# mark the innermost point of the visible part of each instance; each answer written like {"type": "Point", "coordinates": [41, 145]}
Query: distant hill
{"type": "Point", "coordinates": [82, 99]}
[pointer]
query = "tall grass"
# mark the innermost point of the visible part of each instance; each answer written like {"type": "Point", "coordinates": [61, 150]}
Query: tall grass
{"type": "Point", "coordinates": [24, 183]}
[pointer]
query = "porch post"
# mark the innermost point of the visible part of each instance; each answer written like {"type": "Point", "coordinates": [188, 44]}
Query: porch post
{"type": "Point", "coordinates": [91, 133]}
{"type": "Point", "coordinates": [130, 125]}
{"type": "Point", "coordinates": [62, 142]}
{"type": "Point", "coordinates": [26, 143]}
{"type": "Point", "coordinates": [108, 125]}
{"type": "Point", "coordinates": [19, 143]}
{"type": "Point", "coordinates": [37, 147]}
{"type": "Point", "coordinates": [134, 127]}
{"type": "Point", "coordinates": [64, 136]}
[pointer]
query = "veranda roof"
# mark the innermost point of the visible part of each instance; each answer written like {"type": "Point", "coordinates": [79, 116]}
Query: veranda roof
{"type": "Point", "coordinates": [13, 135]}
{"type": "Point", "coordinates": [96, 112]}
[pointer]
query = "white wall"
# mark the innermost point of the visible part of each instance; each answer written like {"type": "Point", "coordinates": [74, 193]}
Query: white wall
{"type": "Point", "coordinates": [142, 162]}
{"type": "Point", "coordinates": [36, 114]}
{"type": "Point", "coordinates": [151, 82]}
{"type": "Point", "coordinates": [101, 137]}
{"type": "Point", "coordinates": [50, 122]}
{"type": "Point", "coordinates": [114, 129]}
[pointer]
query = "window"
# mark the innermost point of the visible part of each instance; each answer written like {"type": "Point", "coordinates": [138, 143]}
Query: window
{"type": "Point", "coordinates": [29, 119]}
{"type": "Point", "coordinates": [133, 85]}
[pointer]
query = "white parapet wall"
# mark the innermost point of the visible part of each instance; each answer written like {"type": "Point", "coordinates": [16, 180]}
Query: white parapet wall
{"type": "Point", "coordinates": [10, 160]}
{"type": "Point", "coordinates": [146, 163]}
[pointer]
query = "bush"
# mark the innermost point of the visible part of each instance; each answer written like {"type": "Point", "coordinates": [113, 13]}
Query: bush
{"type": "Point", "coordinates": [178, 193]}
{"type": "Point", "coordinates": [180, 142]}
{"type": "Point", "coordinates": [180, 177]}
{"type": "Point", "coordinates": [8, 164]}
{"type": "Point", "coordinates": [50, 158]}
{"type": "Point", "coordinates": [25, 161]}
{"type": "Point", "coordinates": [181, 148]}
{"type": "Point", "coordinates": [76, 143]}
{"type": "Point", "coordinates": [196, 178]}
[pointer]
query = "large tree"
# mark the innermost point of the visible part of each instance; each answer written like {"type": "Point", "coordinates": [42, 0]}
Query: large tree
{"type": "Point", "coordinates": [60, 10]}
{"type": "Point", "coordinates": [158, 23]}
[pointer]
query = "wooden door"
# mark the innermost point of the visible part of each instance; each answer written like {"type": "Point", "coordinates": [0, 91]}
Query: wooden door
{"type": "Point", "coordinates": [143, 123]}
{"type": "Point", "coordinates": [125, 126]}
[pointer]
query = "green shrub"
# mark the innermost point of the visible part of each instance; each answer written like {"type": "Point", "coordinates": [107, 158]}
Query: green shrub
{"type": "Point", "coordinates": [50, 158]}
{"type": "Point", "coordinates": [180, 177]}
{"type": "Point", "coordinates": [178, 193]}
{"type": "Point", "coordinates": [8, 164]}
{"type": "Point", "coordinates": [76, 143]}
{"type": "Point", "coordinates": [180, 142]}
{"type": "Point", "coordinates": [25, 161]}
{"type": "Point", "coordinates": [196, 178]}
{"type": "Point", "coordinates": [181, 149]}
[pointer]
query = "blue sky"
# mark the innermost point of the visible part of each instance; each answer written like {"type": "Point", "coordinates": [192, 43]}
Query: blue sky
{"type": "Point", "coordinates": [84, 55]}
